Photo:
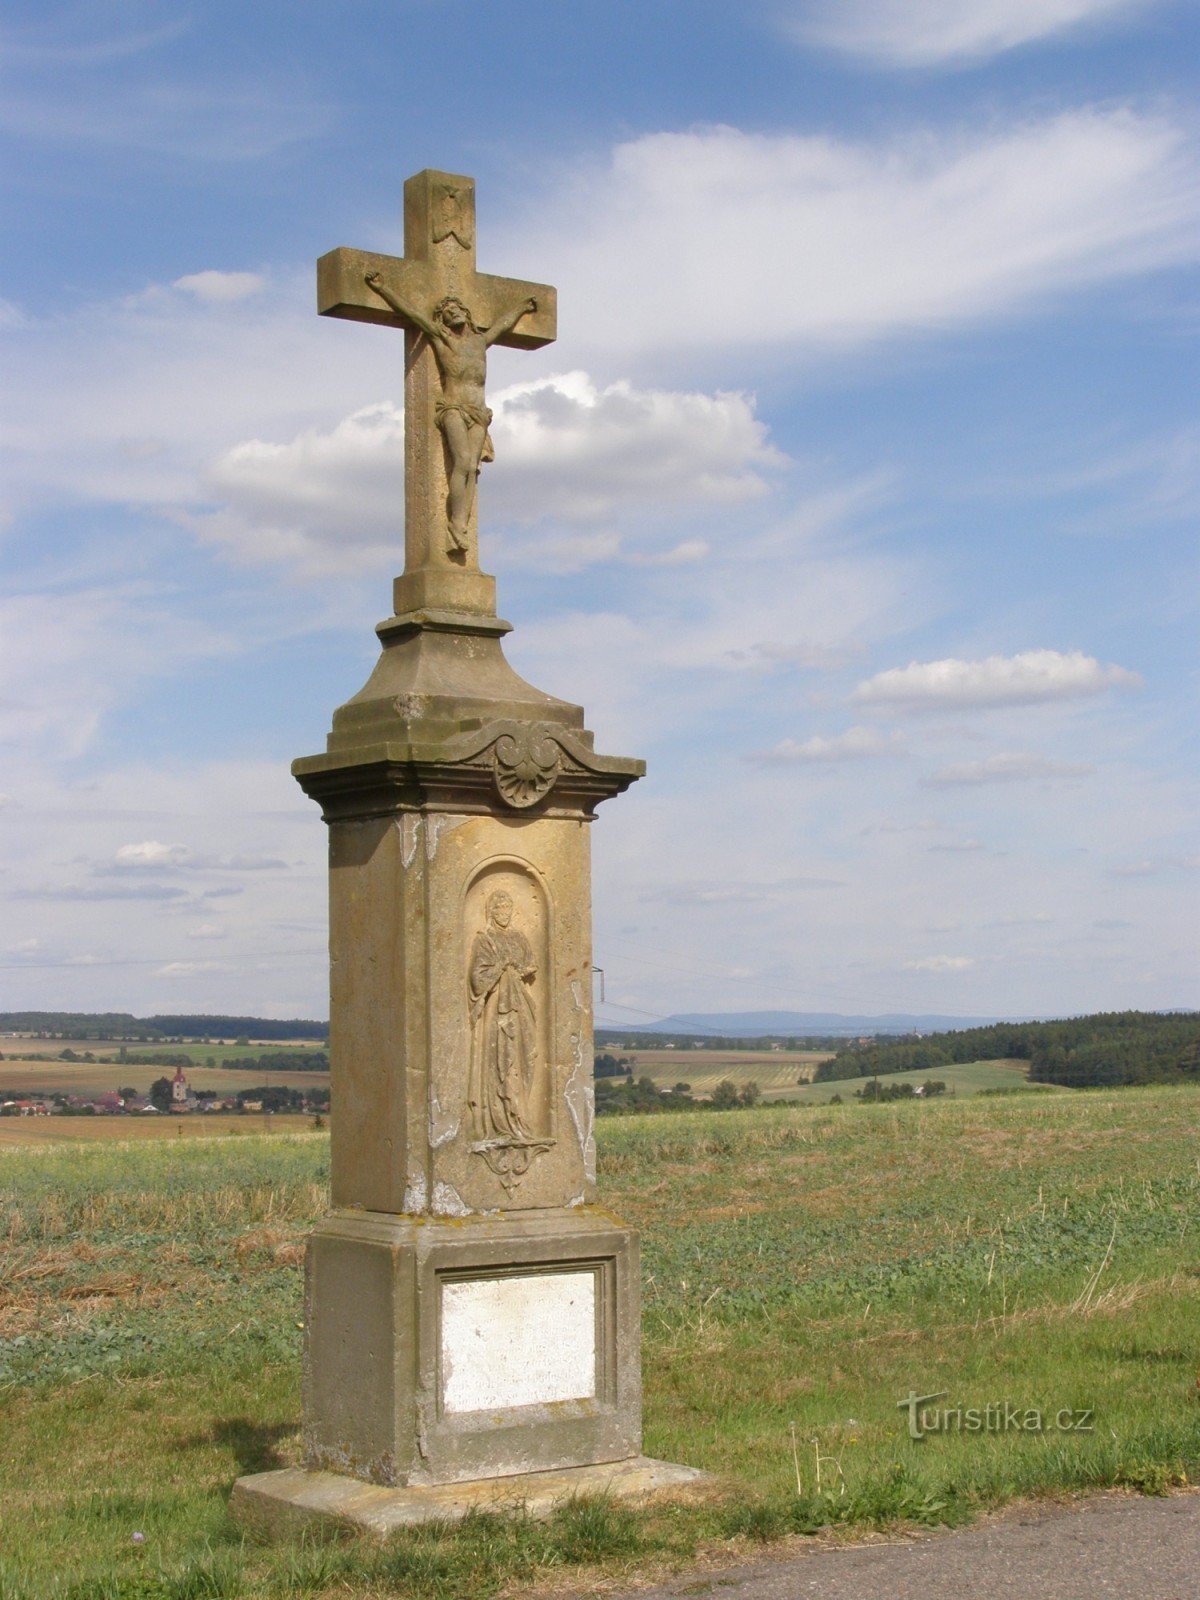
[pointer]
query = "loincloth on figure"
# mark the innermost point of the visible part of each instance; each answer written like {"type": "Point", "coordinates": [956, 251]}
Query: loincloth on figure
{"type": "Point", "coordinates": [473, 416]}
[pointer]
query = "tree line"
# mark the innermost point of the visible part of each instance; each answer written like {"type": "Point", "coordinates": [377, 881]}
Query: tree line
{"type": "Point", "coordinates": [123, 1025]}
{"type": "Point", "coordinates": [1106, 1049]}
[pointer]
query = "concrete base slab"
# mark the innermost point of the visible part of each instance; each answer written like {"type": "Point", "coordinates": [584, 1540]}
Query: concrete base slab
{"type": "Point", "coordinates": [275, 1504]}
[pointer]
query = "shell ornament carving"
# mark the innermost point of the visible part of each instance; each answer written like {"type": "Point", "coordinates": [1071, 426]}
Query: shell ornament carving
{"type": "Point", "coordinates": [526, 765]}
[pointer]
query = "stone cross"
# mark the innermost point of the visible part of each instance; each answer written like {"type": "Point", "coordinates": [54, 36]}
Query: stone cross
{"type": "Point", "coordinates": [472, 1316]}
{"type": "Point", "coordinates": [450, 314]}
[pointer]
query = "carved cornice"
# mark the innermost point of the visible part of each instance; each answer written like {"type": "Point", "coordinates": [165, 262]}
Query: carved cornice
{"type": "Point", "coordinates": [503, 767]}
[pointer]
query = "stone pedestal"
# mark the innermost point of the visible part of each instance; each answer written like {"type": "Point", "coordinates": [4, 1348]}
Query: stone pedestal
{"type": "Point", "coordinates": [442, 1350]}
{"type": "Point", "coordinates": [470, 1313]}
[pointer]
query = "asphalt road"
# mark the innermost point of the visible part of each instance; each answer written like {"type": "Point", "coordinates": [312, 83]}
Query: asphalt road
{"type": "Point", "coordinates": [1125, 1547]}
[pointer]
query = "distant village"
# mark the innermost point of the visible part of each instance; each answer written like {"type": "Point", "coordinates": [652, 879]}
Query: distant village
{"type": "Point", "coordinates": [167, 1096]}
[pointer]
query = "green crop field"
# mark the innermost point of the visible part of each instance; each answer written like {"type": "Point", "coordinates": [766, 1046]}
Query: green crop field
{"type": "Point", "coordinates": [777, 1074]}
{"type": "Point", "coordinates": [805, 1269]}
{"type": "Point", "coordinates": [775, 1071]}
{"type": "Point", "coordinates": [961, 1078]}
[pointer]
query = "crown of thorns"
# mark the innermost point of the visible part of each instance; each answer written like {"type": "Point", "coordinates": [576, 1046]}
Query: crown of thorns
{"type": "Point", "coordinates": [452, 300]}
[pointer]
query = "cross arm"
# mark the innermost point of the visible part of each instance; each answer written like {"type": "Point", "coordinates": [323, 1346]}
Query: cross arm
{"type": "Point", "coordinates": [494, 296]}
{"type": "Point", "coordinates": [342, 291]}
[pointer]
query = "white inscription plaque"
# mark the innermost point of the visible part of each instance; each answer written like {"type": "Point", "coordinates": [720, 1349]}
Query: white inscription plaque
{"type": "Point", "coordinates": [518, 1340]}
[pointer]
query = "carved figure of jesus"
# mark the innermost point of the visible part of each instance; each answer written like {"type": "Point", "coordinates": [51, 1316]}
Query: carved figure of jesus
{"type": "Point", "coordinates": [503, 1028]}
{"type": "Point", "coordinates": [460, 348]}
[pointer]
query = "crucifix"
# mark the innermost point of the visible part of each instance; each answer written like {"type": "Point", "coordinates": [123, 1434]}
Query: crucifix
{"type": "Point", "coordinates": [451, 315]}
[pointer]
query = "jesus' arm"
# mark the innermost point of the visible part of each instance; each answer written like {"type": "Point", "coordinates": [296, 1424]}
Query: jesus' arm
{"type": "Point", "coordinates": [375, 281]}
{"type": "Point", "coordinates": [508, 321]}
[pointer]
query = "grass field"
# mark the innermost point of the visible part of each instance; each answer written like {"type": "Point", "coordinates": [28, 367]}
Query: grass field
{"type": "Point", "coordinates": [776, 1074]}
{"type": "Point", "coordinates": [17, 1131]}
{"type": "Point", "coordinates": [962, 1078]}
{"type": "Point", "coordinates": [804, 1268]}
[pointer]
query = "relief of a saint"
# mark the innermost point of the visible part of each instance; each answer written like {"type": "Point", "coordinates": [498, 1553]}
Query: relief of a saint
{"type": "Point", "coordinates": [503, 1029]}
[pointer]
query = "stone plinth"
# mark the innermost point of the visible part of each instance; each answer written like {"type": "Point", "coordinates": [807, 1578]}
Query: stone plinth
{"type": "Point", "coordinates": [441, 1350]}
{"type": "Point", "coordinates": [293, 1499]}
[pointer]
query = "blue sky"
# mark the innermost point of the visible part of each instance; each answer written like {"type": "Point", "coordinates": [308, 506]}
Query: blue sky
{"type": "Point", "coordinates": [858, 494]}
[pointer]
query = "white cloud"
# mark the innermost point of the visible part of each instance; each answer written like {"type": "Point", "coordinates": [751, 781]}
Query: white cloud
{"type": "Point", "coordinates": [111, 637]}
{"type": "Point", "coordinates": [150, 853]}
{"type": "Point", "coordinates": [683, 554]}
{"type": "Point", "coordinates": [791, 240]}
{"type": "Point", "coordinates": [731, 894]}
{"type": "Point", "coordinates": [328, 499]}
{"type": "Point", "coordinates": [893, 825]}
{"type": "Point", "coordinates": [577, 453]}
{"type": "Point", "coordinates": [931, 33]}
{"type": "Point", "coordinates": [958, 846]}
{"type": "Point", "coordinates": [1013, 766]}
{"type": "Point", "coordinates": [559, 552]}
{"type": "Point", "coordinates": [1030, 678]}
{"type": "Point", "coordinates": [72, 102]}
{"type": "Point", "coordinates": [220, 287]}
{"type": "Point", "coordinates": [855, 744]}
{"type": "Point", "coordinates": [191, 969]}
{"type": "Point", "coordinates": [101, 891]}
{"type": "Point", "coordinates": [939, 964]}
{"type": "Point", "coordinates": [233, 815]}
{"type": "Point", "coordinates": [1150, 869]}
{"type": "Point", "coordinates": [564, 553]}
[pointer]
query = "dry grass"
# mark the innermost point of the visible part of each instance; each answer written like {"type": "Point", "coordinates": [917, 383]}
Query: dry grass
{"type": "Point", "coordinates": [16, 1131]}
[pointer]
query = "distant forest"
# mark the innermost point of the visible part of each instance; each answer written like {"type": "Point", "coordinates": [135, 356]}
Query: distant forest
{"type": "Point", "coordinates": [632, 1039]}
{"type": "Point", "coordinates": [1106, 1050]}
{"type": "Point", "coordinates": [120, 1025]}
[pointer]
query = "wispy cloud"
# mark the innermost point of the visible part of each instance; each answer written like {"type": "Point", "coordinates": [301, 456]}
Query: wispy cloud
{"type": "Point", "coordinates": [855, 744]}
{"type": "Point", "coordinates": [102, 891]}
{"type": "Point", "coordinates": [939, 964]}
{"type": "Point", "coordinates": [1031, 678]}
{"type": "Point", "coordinates": [798, 241]}
{"type": "Point", "coordinates": [1014, 766]}
{"type": "Point", "coordinates": [729, 894]}
{"type": "Point", "coordinates": [220, 287]}
{"type": "Point", "coordinates": [938, 33]}
{"type": "Point", "coordinates": [150, 853]}
{"type": "Point", "coordinates": [113, 637]}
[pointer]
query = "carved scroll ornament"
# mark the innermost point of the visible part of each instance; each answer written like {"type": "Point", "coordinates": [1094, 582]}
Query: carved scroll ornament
{"type": "Point", "coordinates": [526, 764]}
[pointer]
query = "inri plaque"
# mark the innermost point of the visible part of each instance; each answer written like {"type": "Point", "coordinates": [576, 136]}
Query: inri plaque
{"type": "Point", "coordinates": [518, 1340]}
